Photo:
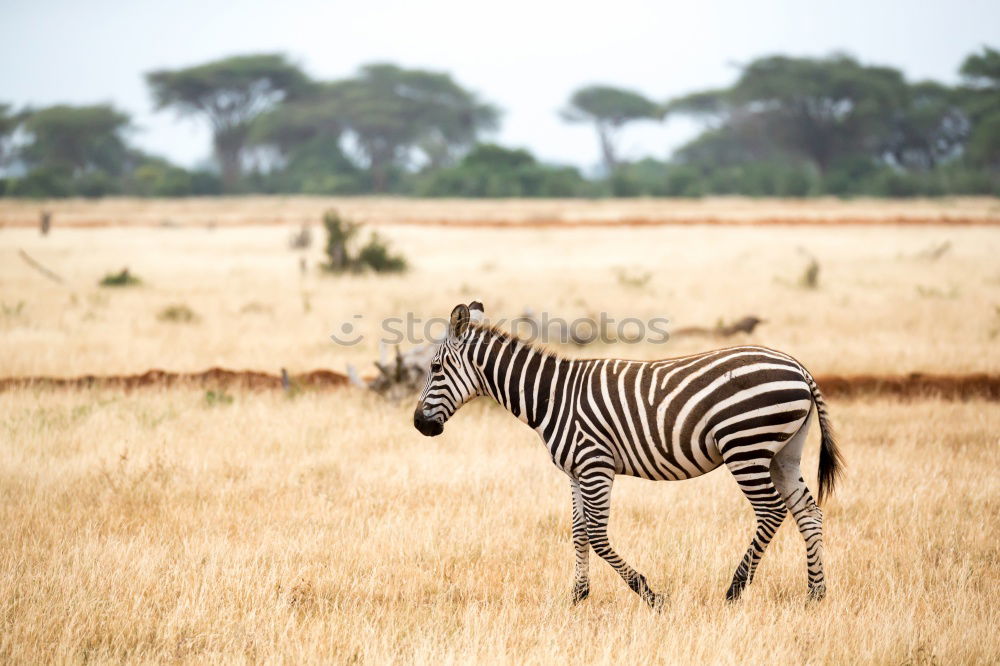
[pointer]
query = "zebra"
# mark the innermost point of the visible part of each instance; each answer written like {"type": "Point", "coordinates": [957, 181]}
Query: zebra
{"type": "Point", "coordinates": [747, 407]}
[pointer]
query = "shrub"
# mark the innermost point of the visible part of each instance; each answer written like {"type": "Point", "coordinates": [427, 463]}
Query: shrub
{"type": "Point", "coordinates": [43, 182]}
{"type": "Point", "coordinates": [684, 181]}
{"type": "Point", "coordinates": [494, 171]}
{"type": "Point", "coordinates": [161, 180]}
{"type": "Point", "coordinates": [646, 178]}
{"type": "Point", "coordinates": [847, 176]}
{"type": "Point", "coordinates": [339, 233]}
{"type": "Point", "coordinates": [179, 313]}
{"type": "Point", "coordinates": [810, 276]}
{"type": "Point", "coordinates": [12, 310]}
{"type": "Point", "coordinates": [634, 279]}
{"type": "Point", "coordinates": [798, 183]}
{"type": "Point", "coordinates": [121, 279]}
{"type": "Point", "coordinates": [301, 239]}
{"type": "Point", "coordinates": [375, 255]}
{"type": "Point", "coordinates": [220, 397]}
{"type": "Point", "coordinates": [95, 184]}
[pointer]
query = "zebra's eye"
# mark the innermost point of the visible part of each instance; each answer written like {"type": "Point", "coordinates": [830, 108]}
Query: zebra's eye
{"type": "Point", "coordinates": [435, 367]}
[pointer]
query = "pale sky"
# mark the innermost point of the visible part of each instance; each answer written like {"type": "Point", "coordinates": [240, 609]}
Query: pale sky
{"type": "Point", "coordinates": [526, 57]}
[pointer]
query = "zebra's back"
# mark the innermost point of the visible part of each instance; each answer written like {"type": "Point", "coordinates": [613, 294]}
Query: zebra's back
{"type": "Point", "coordinates": [682, 417]}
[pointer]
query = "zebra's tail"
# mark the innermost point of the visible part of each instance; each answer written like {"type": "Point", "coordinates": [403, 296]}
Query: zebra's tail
{"type": "Point", "coordinates": [831, 462]}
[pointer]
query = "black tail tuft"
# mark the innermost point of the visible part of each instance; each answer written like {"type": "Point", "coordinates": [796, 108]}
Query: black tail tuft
{"type": "Point", "coordinates": [831, 462]}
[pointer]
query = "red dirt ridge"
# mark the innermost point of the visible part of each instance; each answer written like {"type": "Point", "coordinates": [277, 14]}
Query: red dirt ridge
{"type": "Point", "coordinates": [913, 385]}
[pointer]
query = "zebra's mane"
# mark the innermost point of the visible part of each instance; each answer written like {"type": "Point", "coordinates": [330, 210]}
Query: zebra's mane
{"type": "Point", "coordinates": [494, 329]}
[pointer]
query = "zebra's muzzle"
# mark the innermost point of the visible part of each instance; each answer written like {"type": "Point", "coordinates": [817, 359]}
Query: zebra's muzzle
{"type": "Point", "coordinates": [426, 426]}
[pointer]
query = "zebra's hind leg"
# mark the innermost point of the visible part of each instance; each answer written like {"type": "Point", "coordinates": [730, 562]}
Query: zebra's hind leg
{"type": "Point", "coordinates": [754, 478]}
{"type": "Point", "coordinates": [595, 487]}
{"type": "Point", "coordinates": [581, 578]}
{"type": "Point", "coordinates": [787, 477]}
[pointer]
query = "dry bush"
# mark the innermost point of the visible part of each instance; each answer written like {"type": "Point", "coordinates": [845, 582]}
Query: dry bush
{"type": "Point", "coordinates": [122, 278]}
{"type": "Point", "coordinates": [341, 256]}
{"type": "Point", "coordinates": [177, 313]}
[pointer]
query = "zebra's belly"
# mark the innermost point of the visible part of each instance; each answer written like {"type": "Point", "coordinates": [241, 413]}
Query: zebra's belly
{"type": "Point", "coordinates": [653, 460]}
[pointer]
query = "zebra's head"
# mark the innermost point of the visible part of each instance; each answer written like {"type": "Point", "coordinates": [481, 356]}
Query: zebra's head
{"type": "Point", "coordinates": [451, 379]}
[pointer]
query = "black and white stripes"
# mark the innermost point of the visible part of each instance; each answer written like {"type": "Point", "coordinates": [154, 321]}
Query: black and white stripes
{"type": "Point", "coordinates": [746, 407]}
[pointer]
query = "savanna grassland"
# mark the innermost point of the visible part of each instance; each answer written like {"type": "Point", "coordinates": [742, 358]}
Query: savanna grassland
{"type": "Point", "coordinates": [317, 526]}
{"type": "Point", "coordinates": [883, 303]}
{"type": "Point", "coordinates": [155, 526]}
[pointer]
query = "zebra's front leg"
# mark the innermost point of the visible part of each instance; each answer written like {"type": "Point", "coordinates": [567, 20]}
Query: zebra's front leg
{"type": "Point", "coordinates": [595, 488]}
{"type": "Point", "coordinates": [581, 578]}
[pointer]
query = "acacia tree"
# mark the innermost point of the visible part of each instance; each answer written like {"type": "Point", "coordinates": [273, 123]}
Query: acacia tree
{"type": "Point", "coordinates": [981, 75]}
{"type": "Point", "coordinates": [930, 128]}
{"type": "Point", "coordinates": [76, 139]}
{"type": "Point", "coordinates": [390, 111]}
{"type": "Point", "coordinates": [609, 109]}
{"type": "Point", "coordinates": [9, 122]}
{"type": "Point", "coordinates": [230, 93]}
{"type": "Point", "coordinates": [293, 124]}
{"type": "Point", "coordinates": [820, 109]}
{"type": "Point", "coordinates": [304, 135]}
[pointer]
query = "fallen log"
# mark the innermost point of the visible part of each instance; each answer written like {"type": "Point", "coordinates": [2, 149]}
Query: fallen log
{"type": "Point", "coordinates": [399, 378]}
{"type": "Point", "coordinates": [743, 325]}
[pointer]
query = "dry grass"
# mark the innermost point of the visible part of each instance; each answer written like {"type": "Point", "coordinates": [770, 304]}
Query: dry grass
{"type": "Point", "coordinates": [879, 308]}
{"type": "Point", "coordinates": [231, 526]}
{"type": "Point", "coordinates": [153, 526]}
{"type": "Point", "coordinates": [296, 210]}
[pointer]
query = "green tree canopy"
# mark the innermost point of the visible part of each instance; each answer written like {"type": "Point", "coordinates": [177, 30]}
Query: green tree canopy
{"type": "Point", "coordinates": [929, 128]}
{"type": "Point", "coordinates": [295, 123]}
{"type": "Point", "coordinates": [492, 156]}
{"type": "Point", "coordinates": [710, 106]}
{"type": "Point", "coordinates": [76, 139]}
{"type": "Point", "coordinates": [391, 111]}
{"type": "Point", "coordinates": [609, 109]}
{"type": "Point", "coordinates": [9, 122]}
{"type": "Point", "coordinates": [230, 93]}
{"type": "Point", "coordinates": [305, 134]}
{"type": "Point", "coordinates": [981, 74]}
{"type": "Point", "coordinates": [787, 126]}
{"type": "Point", "coordinates": [821, 109]}
{"type": "Point", "coordinates": [489, 170]}
{"type": "Point", "coordinates": [982, 70]}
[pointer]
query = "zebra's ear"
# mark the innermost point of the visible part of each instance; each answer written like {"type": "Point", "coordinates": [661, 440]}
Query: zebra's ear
{"type": "Point", "coordinates": [476, 312]}
{"type": "Point", "coordinates": [459, 321]}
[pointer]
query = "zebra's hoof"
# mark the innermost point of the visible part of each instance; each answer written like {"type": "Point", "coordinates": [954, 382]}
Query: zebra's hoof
{"type": "Point", "coordinates": [580, 592]}
{"type": "Point", "coordinates": [817, 593]}
{"type": "Point", "coordinates": [735, 590]}
{"type": "Point", "coordinates": [657, 602]}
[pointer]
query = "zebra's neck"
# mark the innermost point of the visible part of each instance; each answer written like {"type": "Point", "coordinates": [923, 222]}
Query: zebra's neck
{"type": "Point", "coordinates": [522, 378]}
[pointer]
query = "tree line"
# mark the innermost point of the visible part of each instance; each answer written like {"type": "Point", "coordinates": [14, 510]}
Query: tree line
{"type": "Point", "coordinates": [787, 126]}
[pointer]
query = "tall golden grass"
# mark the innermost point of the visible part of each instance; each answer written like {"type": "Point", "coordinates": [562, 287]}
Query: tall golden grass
{"type": "Point", "coordinates": [222, 526]}
{"type": "Point", "coordinates": [160, 526]}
